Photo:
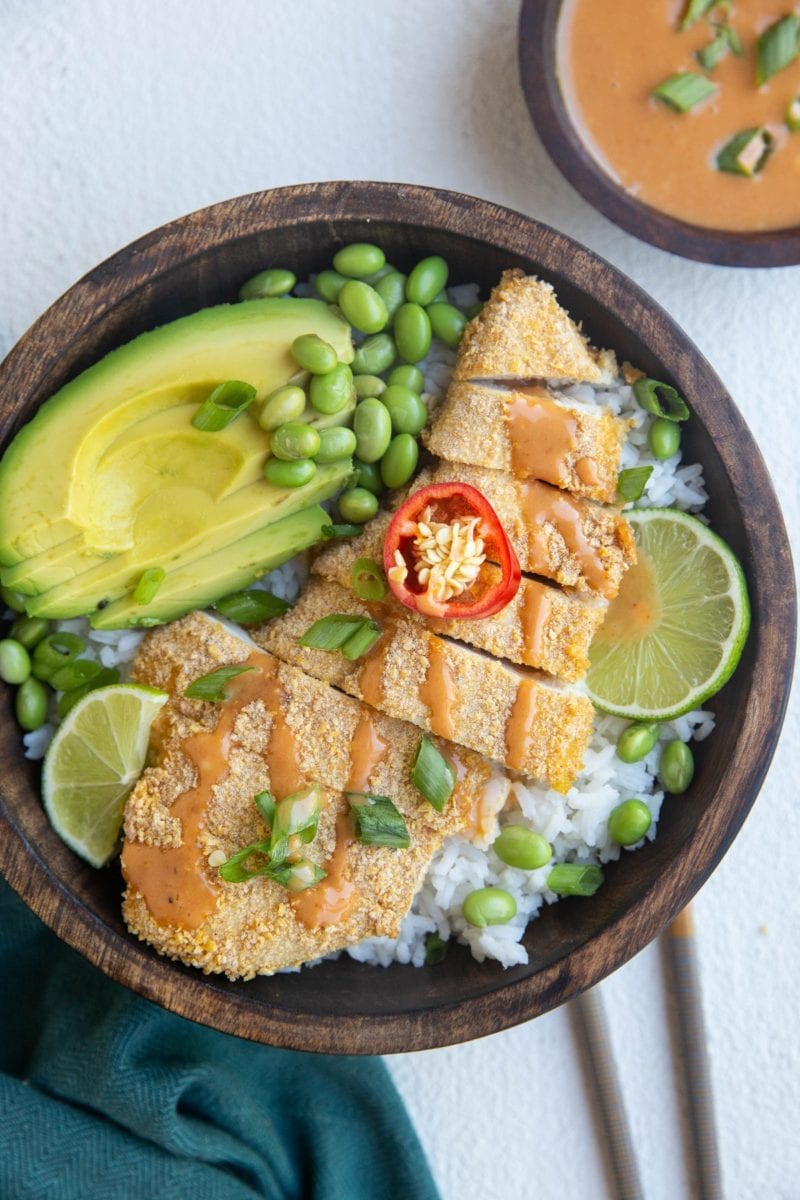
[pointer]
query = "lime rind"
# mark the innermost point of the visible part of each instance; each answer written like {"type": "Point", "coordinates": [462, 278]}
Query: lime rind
{"type": "Point", "coordinates": [94, 760]}
{"type": "Point", "coordinates": [684, 660]}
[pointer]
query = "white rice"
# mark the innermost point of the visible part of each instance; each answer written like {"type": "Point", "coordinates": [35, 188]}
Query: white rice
{"type": "Point", "coordinates": [576, 825]}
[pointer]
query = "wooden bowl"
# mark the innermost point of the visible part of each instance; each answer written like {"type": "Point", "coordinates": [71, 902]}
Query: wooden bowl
{"type": "Point", "coordinates": [342, 1006]}
{"type": "Point", "coordinates": [539, 74]}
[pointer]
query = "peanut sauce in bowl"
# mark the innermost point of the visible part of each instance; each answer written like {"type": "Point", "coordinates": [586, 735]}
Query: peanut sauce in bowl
{"type": "Point", "coordinates": [589, 69]}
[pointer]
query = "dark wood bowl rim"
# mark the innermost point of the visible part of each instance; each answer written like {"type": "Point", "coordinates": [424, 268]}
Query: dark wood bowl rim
{"type": "Point", "coordinates": [538, 74]}
{"type": "Point", "coordinates": [240, 1013]}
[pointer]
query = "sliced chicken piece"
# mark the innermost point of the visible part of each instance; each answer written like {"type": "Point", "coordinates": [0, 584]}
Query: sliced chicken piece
{"type": "Point", "coordinates": [532, 434]}
{"type": "Point", "coordinates": [541, 627]}
{"type": "Point", "coordinates": [518, 718]}
{"type": "Point", "coordinates": [278, 730]}
{"type": "Point", "coordinates": [522, 332]}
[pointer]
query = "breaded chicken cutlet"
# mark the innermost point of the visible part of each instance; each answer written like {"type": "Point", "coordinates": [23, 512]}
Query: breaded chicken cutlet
{"type": "Point", "coordinates": [193, 808]}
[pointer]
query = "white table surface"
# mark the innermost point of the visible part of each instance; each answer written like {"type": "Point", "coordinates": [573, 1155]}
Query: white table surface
{"type": "Point", "coordinates": [115, 117]}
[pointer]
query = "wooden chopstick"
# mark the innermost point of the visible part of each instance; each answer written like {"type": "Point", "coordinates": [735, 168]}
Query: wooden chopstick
{"type": "Point", "coordinates": [682, 958]}
{"type": "Point", "coordinates": [595, 1042]}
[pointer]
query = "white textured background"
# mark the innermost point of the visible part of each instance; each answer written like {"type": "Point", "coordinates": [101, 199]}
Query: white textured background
{"type": "Point", "coordinates": [117, 116]}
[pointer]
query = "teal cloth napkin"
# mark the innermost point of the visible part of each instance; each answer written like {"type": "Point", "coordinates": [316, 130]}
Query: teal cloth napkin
{"type": "Point", "coordinates": [105, 1095]}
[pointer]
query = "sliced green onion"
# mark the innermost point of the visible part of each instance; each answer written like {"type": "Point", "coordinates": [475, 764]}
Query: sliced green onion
{"type": "Point", "coordinates": [746, 152]}
{"type": "Point", "coordinates": [223, 406]}
{"type": "Point", "coordinates": [778, 46]}
{"type": "Point", "coordinates": [74, 674]}
{"type": "Point", "coordinates": [296, 876]}
{"type": "Point", "coordinates": [684, 90]}
{"type": "Point", "coordinates": [146, 589]}
{"type": "Point", "coordinates": [54, 652]}
{"type": "Point", "coordinates": [265, 803]}
{"type": "Point", "coordinates": [377, 821]}
{"type": "Point", "coordinates": [104, 678]}
{"type": "Point", "coordinates": [632, 482]}
{"type": "Point", "coordinates": [726, 40]}
{"type": "Point", "coordinates": [214, 685]}
{"type": "Point", "coordinates": [367, 580]}
{"type": "Point", "coordinates": [331, 633]}
{"type": "Point", "coordinates": [234, 870]}
{"type": "Point", "coordinates": [362, 640]}
{"type": "Point", "coordinates": [574, 879]}
{"type": "Point", "coordinates": [661, 400]}
{"type": "Point", "coordinates": [793, 115]}
{"type": "Point", "coordinates": [341, 531]}
{"type": "Point", "coordinates": [252, 607]}
{"type": "Point", "coordinates": [435, 950]}
{"type": "Point", "coordinates": [295, 816]}
{"type": "Point", "coordinates": [695, 9]}
{"type": "Point", "coordinates": [433, 775]}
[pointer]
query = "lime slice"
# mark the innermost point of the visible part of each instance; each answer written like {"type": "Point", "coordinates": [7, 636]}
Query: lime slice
{"type": "Point", "coordinates": [676, 630]}
{"type": "Point", "coordinates": [92, 764]}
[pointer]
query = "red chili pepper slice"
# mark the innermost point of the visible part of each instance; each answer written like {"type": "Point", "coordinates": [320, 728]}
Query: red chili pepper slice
{"type": "Point", "coordinates": [439, 526]}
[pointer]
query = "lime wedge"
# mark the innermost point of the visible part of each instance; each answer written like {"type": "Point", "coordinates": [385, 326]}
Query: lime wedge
{"type": "Point", "coordinates": [92, 764]}
{"type": "Point", "coordinates": [675, 632]}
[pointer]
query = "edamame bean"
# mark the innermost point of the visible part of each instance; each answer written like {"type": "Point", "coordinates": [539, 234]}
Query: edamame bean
{"type": "Point", "coordinates": [332, 392]}
{"type": "Point", "coordinates": [286, 403]}
{"type": "Point", "coordinates": [358, 260]}
{"type": "Point", "coordinates": [294, 474]}
{"type": "Point", "coordinates": [294, 440]}
{"type": "Point", "coordinates": [375, 355]}
{"type": "Point", "coordinates": [329, 284]}
{"type": "Point", "coordinates": [368, 475]}
{"type": "Point", "coordinates": [357, 505]}
{"type": "Point", "coordinates": [30, 630]}
{"type": "Point", "coordinates": [15, 600]}
{"type": "Point", "coordinates": [426, 280]}
{"type": "Point", "coordinates": [406, 408]}
{"type": "Point", "coordinates": [362, 306]}
{"type": "Point", "coordinates": [664, 438]}
{"type": "Point", "coordinates": [676, 768]}
{"type": "Point", "coordinates": [313, 354]}
{"type": "Point", "coordinates": [275, 281]}
{"type": "Point", "coordinates": [369, 385]}
{"type": "Point", "coordinates": [412, 332]}
{"type": "Point", "coordinates": [30, 704]}
{"type": "Point", "coordinates": [400, 460]}
{"type": "Point", "coordinates": [636, 742]}
{"type": "Point", "coordinates": [335, 444]}
{"type": "Point", "coordinates": [372, 426]}
{"type": "Point", "coordinates": [376, 276]}
{"type": "Point", "coordinates": [15, 662]}
{"type": "Point", "coordinates": [489, 906]}
{"type": "Point", "coordinates": [629, 822]}
{"type": "Point", "coordinates": [392, 291]}
{"type": "Point", "coordinates": [408, 376]}
{"type": "Point", "coordinates": [447, 322]}
{"type": "Point", "coordinates": [54, 651]}
{"type": "Point", "coordinates": [522, 848]}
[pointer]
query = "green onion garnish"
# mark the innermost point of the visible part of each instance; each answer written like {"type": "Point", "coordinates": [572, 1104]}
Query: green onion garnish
{"type": "Point", "coordinates": [146, 589]}
{"type": "Point", "coordinates": [367, 580]}
{"type": "Point", "coordinates": [661, 400]}
{"type": "Point", "coordinates": [684, 90]}
{"type": "Point", "coordinates": [746, 152]}
{"type": "Point", "coordinates": [341, 531]}
{"type": "Point", "coordinates": [234, 870]}
{"type": "Point", "coordinates": [377, 821]}
{"type": "Point", "coordinates": [213, 686]}
{"type": "Point", "coordinates": [726, 39]}
{"type": "Point", "coordinates": [252, 607]}
{"type": "Point", "coordinates": [295, 816]}
{"type": "Point", "coordinates": [223, 406]}
{"type": "Point", "coordinates": [632, 482]}
{"type": "Point", "coordinates": [793, 115]}
{"type": "Point", "coordinates": [296, 876]}
{"type": "Point", "coordinates": [265, 803]}
{"type": "Point", "coordinates": [574, 879]}
{"type": "Point", "coordinates": [433, 775]}
{"type": "Point", "coordinates": [354, 636]}
{"type": "Point", "coordinates": [778, 46]}
{"type": "Point", "coordinates": [695, 9]}
{"type": "Point", "coordinates": [435, 950]}
{"type": "Point", "coordinates": [74, 674]}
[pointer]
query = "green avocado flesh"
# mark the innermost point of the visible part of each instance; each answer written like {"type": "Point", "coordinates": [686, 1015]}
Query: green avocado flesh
{"type": "Point", "coordinates": [111, 477]}
{"type": "Point", "coordinates": [200, 583]}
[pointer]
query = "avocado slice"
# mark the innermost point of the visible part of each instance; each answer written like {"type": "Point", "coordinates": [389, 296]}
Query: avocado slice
{"type": "Point", "coordinates": [212, 527]}
{"type": "Point", "coordinates": [200, 583]}
{"type": "Point", "coordinates": [112, 458]}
